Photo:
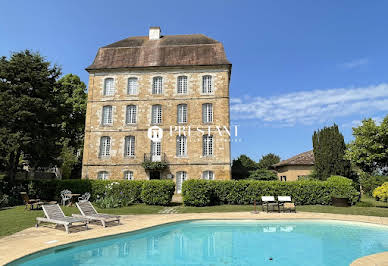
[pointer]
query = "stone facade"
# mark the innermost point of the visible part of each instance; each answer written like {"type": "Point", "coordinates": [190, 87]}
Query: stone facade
{"type": "Point", "coordinates": [194, 163]}
{"type": "Point", "coordinates": [293, 172]}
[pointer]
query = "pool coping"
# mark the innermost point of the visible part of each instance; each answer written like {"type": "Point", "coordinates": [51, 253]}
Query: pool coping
{"type": "Point", "coordinates": [33, 239]}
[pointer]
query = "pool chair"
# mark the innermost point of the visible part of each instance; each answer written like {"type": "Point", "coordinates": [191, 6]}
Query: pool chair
{"type": "Point", "coordinates": [30, 202]}
{"type": "Point", "coordinates": [285, 204]}
{"type": "Point", "coordinates": [89, 212]}
{"type": "Point", "coordinates": [269, 203]}
{"type": "Point", "coordinates": [55, 215]}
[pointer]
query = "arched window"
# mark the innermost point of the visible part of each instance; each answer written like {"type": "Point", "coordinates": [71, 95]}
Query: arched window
{"type": "Point", "coordinates": [109, 88]}
{"type": "Point", "coordinates": [105, 146]}
{"type": "Point", "coordinates": [128, 175]}
{"type": "Point", "coordinates": [132, 86]}
{"type": "Point", "coordinates": [103, 175]}
{"type": "Point", "coordinates": [207, 86]}
{"type": "Point", "coordinates": [107, 115]}
{"type": "Point", "coordinates": [181, 85]}
{"type": "Point", "coordinates": [208, 175]}
{"type": "Point", "coordinates": [157, 85]}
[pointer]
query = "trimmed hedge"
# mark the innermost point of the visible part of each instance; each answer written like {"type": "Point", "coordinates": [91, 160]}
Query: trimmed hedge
{"type": "Point", "coordinates": [157, 192]}
{"type": "Point", "coordinates": [205, 193]}
{"type": "Point", "coordinates": [50, 190]}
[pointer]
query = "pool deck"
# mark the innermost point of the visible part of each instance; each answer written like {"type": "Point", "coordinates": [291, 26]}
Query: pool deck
{"type": "Point", "coordinates": [35, 239]}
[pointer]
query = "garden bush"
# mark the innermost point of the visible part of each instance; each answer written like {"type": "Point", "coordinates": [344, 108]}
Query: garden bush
{"type": "Point", "coordinates": [263, 174]}
{"type": "Point", "coordinates": [370, 182]}
{"type": "Point", "coordinates": [157, 192]}
{"type": "Point", "coordinates": [381, 192]}
{"type": "Point", "coordinates": [308, 192]}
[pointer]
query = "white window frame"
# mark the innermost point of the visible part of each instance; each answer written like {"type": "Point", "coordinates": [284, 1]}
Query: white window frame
{"type": "Point", "coordinates": [207, 113]}
{"type": "Point", "coordinates": [128, 175]}
{"type": "Point", "coordinates": [132, 86]}
{"type": "Point", "coordinates": [109, 88]}
{"type": "Point", "coordinates": [103, 175]}
{"type": "Point", "coordinates": [181, 177]}
{"type": "Point", "coordinates": [207, 84]}
{"type": "Point", "coordinates": [181, 87]}
{"type": "Point", "coordinates": [208, 175]}
{"type": "Point", "coordinates": [157, 85]}
{"type": "Point", "coordinates": [181, 146]}
{"type": "Point", "coordinates": [131, 114]}
{"type": "Point", "coordinates": [182, 113]}
{"type": "Point", "coordinates": [105, 146]}
{"type": "Point", "coordinates": [156, 114]}
{"type": "Point", "coordinates": [129, 146]}
{"type": "Point", "coordinates": [207, 145]}
{"type": "Point", "coordinates": [107, 115]}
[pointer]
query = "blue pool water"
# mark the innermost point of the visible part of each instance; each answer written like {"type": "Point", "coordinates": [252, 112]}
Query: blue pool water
{"type": "Point", "coordinates": [225, 243]}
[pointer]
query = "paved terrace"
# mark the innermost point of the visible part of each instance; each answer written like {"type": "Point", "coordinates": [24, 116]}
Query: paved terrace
{"type": "Point", "coordinates": [34, 239]}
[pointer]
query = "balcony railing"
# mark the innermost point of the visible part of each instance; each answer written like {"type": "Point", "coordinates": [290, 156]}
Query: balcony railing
{"type": "Point", "coordinates": [154, 162]}
{"type": "Point", "coordinates": [149, 157]}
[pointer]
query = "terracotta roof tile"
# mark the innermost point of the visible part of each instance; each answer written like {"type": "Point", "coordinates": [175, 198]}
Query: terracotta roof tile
{"type": "Point", "coordinates": [305, 158]}
{"type": "Point", "coordinates": [170, 50]}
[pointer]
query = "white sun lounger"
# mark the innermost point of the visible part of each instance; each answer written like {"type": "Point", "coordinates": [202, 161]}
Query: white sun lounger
{"type": "Point", "coordinates": [89, 212]}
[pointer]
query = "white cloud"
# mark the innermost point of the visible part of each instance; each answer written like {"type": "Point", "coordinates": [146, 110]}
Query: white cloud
{"type": "Point", "coordinates": [309, 107]}
{"type": "Point", "coordinates": [355, 63]}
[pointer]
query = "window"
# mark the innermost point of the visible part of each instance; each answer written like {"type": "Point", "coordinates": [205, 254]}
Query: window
{"type": "Point", "coordinates": [132, 86]}
{"type": "Point", "coordinates": [207, 84]}
{"type": "Point", "coordinates": [208, 175]}
{"type": "Point", "coordinates": [109, 89]}
{"type": "Point", "coordinates": [103, 175]}
{"type": "Point", "coordinates": [207, 113]}
{"type": "Point", "coordinates": [180, 178]}
{"type": "Point", "coordinates": [107, 115]}
{"type": "Point", "coordinates": [131, 114]}
{"type": "Point", "coordinates": [105, 146]}
{"type": "Point", "coordinates": [207, 145]}
{"type": "Point", "coordinates": [155, 148]}
{"type": "Point", "coordinates": [181, 143]}
{"type": "Point", "coordinates": [156, 114]}
{"type": "Point", "coordinates": [128, 175]}
{"type": "Point", "coordinates": [129, 146]}
{"type": "Point", "coordinates": [284, 178]}
{"type": "Point", "coordinates": [157, 85]}
{"type": "Point", "coordinates": [182, 113]}
{"type": "Point", "coordinates": [182, 85]}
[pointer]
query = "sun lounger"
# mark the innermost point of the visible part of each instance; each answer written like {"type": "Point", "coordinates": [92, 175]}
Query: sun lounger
{"type": "Point", "coordinates": [286, 203]}
{"type": "Point", "coordinates": [54, 214]}
{"type": "Point", "coordinates": [89, 212]}
{"type": "Point", "coordinates": [269, 203]}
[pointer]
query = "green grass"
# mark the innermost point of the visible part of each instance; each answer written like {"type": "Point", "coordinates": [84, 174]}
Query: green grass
{"type": "Point", "coordinates": [15, 219]}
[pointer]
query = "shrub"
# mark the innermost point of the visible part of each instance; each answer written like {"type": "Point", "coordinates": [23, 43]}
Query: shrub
{"type": "Point", "coordinates": [157, 192]}
{"type": "Point", "coordinates": [263, 174]}
{"type": "Point", "coordinates": [369, 182]}
{"type": "Point", "coordinates": [204, 193]}
{"type": "Point", "coordinates": [381, 192]}
{"type": "Point", "coordinates": [198, 192]}
{"type": "Point", "coordinates": [116, 195]}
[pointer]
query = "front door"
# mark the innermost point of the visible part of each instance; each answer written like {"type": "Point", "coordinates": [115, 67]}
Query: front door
{"type": "Point", "coordinates": [154, 175]}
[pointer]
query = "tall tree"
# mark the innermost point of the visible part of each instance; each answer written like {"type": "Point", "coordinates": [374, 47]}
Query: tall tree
{"type": "Point", "coordinates": [268, 160]}
{"type": "Point", "coordinates": [329, 151]}
{"type": "Point", "coordinates": [242, 166]}
{"type": "Point", "coordinates": [29, 120]}
{"type": "Point", "coordinates": [369, 150]}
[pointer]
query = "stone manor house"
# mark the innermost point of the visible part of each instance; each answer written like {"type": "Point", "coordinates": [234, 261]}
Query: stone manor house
{"type": "Point", "coordinates": [175, 83]}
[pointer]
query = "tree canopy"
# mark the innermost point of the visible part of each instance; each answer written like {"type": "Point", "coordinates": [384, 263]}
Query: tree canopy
{"type": "Point", "coordinates": [268, 160]}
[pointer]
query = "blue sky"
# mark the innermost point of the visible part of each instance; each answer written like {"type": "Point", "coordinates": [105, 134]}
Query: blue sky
{"type": "Point", "coordinates": [297, 65]}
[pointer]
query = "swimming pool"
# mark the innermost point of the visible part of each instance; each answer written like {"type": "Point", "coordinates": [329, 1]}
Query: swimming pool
{"type": "Point", "coordinates": [225, 242]}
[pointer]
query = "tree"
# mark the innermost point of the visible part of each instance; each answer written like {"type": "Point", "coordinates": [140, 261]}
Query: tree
{"type": "Point", "coordinates": [329, 151]}
{"type": "Point", "coordinates": [263, 174]}
{"type": "Point", "coordinates": [369, 150]}
{"type": "Point", "coordinates": [29, 121]}
{"type": "Point", "coordinates": [242, 166]}
{"type": "Point", "coordinates": [268, 160]}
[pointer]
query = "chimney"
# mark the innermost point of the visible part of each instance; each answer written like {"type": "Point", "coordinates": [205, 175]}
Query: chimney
{"type": "Point", "coordinates": [154, 33]}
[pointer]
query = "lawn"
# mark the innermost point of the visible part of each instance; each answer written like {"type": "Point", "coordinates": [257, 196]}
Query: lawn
{"type": "Point", "coordinates": [16, 219]}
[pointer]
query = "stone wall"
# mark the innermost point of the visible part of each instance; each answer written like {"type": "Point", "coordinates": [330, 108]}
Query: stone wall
{"type": "Point", "coordinates": [292, 172]}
